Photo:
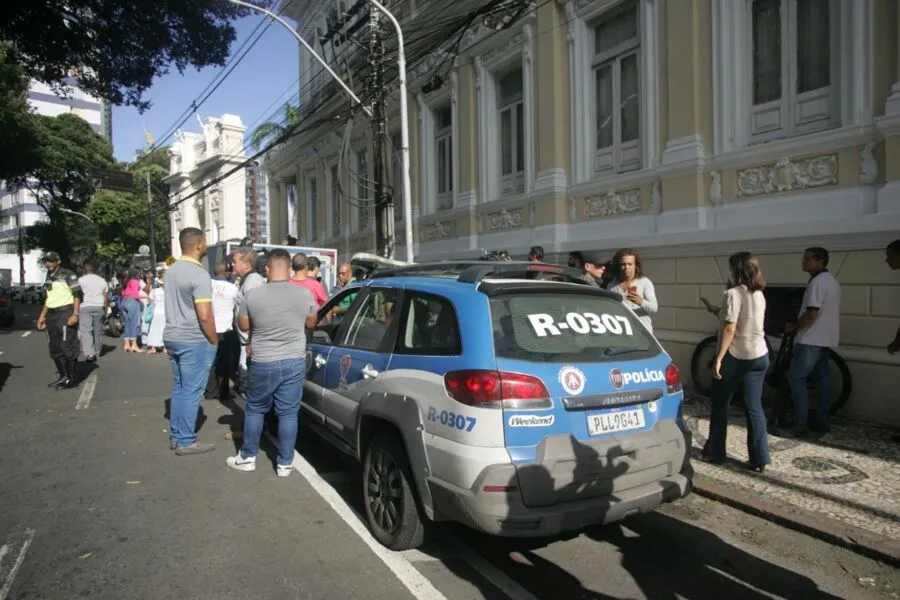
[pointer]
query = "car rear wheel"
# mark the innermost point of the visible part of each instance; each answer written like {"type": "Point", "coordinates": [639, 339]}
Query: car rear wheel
{"type": "Point", "coordinates": [389, 497]}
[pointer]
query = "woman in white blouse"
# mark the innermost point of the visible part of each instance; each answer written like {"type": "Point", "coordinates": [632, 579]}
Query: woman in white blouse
{"type": "Point", "coordinates": [742, 358]}
{"type": "Point", "coordinates": [637, 291]}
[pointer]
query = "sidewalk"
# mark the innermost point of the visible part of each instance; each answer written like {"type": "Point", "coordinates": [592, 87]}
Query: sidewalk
{"type": "Point", "coordinates": [843, 486]}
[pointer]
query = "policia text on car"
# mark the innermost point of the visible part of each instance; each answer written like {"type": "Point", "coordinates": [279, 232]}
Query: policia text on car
{"type": "Point", "coordinates": [59, 317]}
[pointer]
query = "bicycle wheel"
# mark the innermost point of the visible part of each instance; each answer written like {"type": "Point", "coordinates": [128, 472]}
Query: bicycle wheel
{"type": "Point", "coordinates": [701, 363]}
{"type": "Point", "coordinates": [836, 363]}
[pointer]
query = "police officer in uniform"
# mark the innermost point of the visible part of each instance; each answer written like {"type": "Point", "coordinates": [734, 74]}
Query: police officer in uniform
{"type": "Point", "coordinates": [59, 317]}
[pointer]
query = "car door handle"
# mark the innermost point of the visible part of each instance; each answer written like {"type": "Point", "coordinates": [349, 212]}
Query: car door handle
{"type": "Point", "coordinates": [320, 361]}
{"type": "Point", "coordinates": [369, 372]}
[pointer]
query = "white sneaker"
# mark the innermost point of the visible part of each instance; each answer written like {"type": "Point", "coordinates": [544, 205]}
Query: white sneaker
{"type": "Point", "coordinates": [284, 470]}
{"type": "Point", "coordinates": [241, 464]}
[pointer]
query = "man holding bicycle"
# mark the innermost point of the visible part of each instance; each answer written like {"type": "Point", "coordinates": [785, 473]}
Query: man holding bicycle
{"type": "Point", "coordinates": [818, 329]}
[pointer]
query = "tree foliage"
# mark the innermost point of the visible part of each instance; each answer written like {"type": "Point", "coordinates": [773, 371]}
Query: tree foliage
{"type": "Point", "coordinates": [68, 151]}
{"type": "Point", "coordinates": [19, 140]}
{"type": "Point", "coordinates": [113, 49]}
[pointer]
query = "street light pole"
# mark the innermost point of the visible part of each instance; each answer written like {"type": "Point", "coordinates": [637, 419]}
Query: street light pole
{"type": "Point", "coordinates": [404, 131]}
{"type": "Point", "coordinates": [309, 48]}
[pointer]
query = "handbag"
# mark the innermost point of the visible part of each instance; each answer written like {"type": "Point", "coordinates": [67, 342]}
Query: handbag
{"type": "Point", "coordinates": [148, 313]}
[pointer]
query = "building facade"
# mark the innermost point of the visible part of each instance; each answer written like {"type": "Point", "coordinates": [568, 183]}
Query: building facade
{"type": "Point", "coordinates": [688, 133]}
{"type": "Point", "coordinates": [18, 207]}
{"type": "Point", "coordinates": [197, 159]}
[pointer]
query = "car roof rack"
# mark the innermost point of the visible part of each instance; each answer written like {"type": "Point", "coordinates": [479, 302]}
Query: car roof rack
{"type": "Point", "coordinates": [475, 271]}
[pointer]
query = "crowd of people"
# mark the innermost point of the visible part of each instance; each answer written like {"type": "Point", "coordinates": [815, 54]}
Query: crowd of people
{"type": "Point", "coordinates": [242, 327]}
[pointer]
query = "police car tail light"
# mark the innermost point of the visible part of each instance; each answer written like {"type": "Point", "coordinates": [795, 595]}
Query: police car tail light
{"type": "Point", "coordinates": [495, 389]}
{"type": "Point", "coordinates": [673, 379]}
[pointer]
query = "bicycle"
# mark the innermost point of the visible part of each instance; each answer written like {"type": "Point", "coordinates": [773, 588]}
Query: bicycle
{"type": "Point", "coordinates": [780, 407]}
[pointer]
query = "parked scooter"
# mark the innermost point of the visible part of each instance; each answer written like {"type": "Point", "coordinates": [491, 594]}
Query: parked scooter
{"type": "Point", "coordinates": [113, 324]}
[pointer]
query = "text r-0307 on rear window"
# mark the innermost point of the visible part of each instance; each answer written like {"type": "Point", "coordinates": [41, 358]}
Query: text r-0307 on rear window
{"type": "Point", "coordinates": [582, 323]}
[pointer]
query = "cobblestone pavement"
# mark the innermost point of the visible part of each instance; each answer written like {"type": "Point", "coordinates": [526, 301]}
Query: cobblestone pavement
{"type": "Point", "coordinates": [851, 474]}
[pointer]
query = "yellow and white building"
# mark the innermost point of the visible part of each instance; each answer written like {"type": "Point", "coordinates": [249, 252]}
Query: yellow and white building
{"type": "Point", "coordinates": [689, 129]}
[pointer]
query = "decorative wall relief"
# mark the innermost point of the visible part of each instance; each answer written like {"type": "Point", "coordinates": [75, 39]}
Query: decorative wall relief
{"type": "Point", "coordinates": [438, 230]}
{"type": "Point", "coordinates": [786, 175]}
{"type": "Point", "coordinates": [613, 203]}
{"type": "Point", "coordinates": [715, 188]}
{"type": "Point", "coordinates": [505, 219]}
{"type": "Point", "coordinates": [868, 165]}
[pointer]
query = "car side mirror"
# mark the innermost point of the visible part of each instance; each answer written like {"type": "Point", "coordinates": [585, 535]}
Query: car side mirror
{"type": "Point", "coordinates": [321, 337]}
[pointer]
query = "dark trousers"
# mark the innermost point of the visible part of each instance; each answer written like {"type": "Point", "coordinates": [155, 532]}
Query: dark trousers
{"type": "Point", "coordinates": [751, 374]}
{"type": "Point", "coordinates": [64, 347]}
{"type": "Point", "coordinates": [222, 369]}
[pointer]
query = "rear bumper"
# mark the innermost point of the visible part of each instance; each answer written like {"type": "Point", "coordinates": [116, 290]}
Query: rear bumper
{"type": "Point", "coordinates": [504, 513]}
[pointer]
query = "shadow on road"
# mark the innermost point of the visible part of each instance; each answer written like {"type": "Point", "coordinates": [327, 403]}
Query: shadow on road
{"type": "Point", "coordinates": [5, 371]}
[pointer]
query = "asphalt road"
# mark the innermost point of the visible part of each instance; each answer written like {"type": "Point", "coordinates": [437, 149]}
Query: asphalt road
{"type": "Point", "coordinates": [94, 505]}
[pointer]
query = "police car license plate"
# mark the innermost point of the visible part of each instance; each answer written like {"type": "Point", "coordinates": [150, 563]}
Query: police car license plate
{"type": "Point", "coordinates": [612, 422]}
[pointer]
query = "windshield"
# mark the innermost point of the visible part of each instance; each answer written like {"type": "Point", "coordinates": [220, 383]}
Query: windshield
{"type": "Point", "coordinates": [560, 327]}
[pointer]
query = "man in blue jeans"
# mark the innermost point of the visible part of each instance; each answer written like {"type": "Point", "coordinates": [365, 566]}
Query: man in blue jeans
{"type": "Point", "coordinates": [818, 329]}
{"type": "Point", "coordinates": [276, 315]}
{"type": "Point", "coordinates": [190, 339]}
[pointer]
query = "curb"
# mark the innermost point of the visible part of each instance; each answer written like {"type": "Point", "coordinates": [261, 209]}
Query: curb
{"type": "Point", "coordinates": [815, 525]}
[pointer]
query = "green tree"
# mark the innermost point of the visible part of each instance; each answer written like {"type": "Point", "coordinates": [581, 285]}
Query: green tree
{"type": "Point", "coordinates": [113, 49]}
{"type": "Point", "coordinates": [122, 219]}
{"type": "Point", "coordinates": [19, 141]}
{"type": "Point", "coordinates": [271, 131]}
{"type": "Point", "coordinates": [62, 182]}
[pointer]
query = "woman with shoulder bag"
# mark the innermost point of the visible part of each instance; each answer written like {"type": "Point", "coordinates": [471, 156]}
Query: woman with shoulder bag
{"type": "Point", "coordinates": [742, 358]}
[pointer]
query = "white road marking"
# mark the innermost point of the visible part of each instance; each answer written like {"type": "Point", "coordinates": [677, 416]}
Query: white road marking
{"type": "Point", "coordinates": [418, 585]}
{"type": "Point", "coordinates": [4, 550]}
{"type": "Point", "coordinates": [498, 578]}
{"type": "Point", "coordinates": [1, 352]}
{"type": "Point", "coordinates": [87, 392]}
{"type": "Point", "coordinates": [26, 334]}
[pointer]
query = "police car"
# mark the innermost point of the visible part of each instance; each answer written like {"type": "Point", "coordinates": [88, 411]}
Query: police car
{"type": "Point", "coordinates": [511, 397]}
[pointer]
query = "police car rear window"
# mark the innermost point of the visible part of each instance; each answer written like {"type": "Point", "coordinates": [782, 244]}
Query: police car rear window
{"type": "Point", "coordinates": [559, 327]}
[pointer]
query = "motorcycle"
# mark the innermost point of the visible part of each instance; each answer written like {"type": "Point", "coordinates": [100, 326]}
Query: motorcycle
{"type": "Point", "coordinates": [113, 323]}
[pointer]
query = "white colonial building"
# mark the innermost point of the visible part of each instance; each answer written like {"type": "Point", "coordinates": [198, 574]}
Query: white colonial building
{"type": "Point", "coordinates": [198, 159]}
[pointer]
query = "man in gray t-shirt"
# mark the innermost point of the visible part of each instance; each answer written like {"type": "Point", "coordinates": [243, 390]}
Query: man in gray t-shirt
{"type": "Point", "coordinates": [275, 315]}
{"type": "Point", "coordinates": [244, 261]}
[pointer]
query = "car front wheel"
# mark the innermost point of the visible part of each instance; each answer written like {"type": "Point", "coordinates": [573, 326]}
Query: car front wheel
{"type": "Point", "coordinates": [391, 509]}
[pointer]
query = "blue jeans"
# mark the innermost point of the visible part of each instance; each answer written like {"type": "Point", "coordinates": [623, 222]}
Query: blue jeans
{"type": "Point", "coordinates": [806, 360]}
{"type": "Point", "coordinates": [190, 367]}
{"type": "Point", "coordinates": [752, 374]}
{"type": "Point", "coordinates": [132, 310]}
{"type": "Point", "coordinates": [279, 382]}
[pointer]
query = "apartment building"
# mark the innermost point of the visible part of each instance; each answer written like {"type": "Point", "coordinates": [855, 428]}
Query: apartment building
{"type": "Point", "coordinates": [257, 204]}
{"type": "Point", "coordinates": [688, 130]}
{"type": "Point", "coordinates": [196, 161]}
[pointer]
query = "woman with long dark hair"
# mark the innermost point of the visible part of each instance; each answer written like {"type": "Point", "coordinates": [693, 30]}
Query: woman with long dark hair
{"type": "Point", "coordinates": [132, 310]}
{"type": "Point", "coordinates": [742, 358]}
{"type": "Point", "coordinates": [636, 289]}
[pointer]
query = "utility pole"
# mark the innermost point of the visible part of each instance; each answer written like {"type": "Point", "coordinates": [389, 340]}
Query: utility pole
{"type": "Point", "coordinates": [21, 244]}
{"type": "Point", "coordinates": [152, 225]}
{"type": "Point", "coordinates": [384, 218]}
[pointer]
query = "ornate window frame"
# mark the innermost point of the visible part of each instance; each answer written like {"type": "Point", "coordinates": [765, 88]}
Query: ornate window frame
{"type": "Point", "coordinates": [732, 76]}
{"type": "Point", "coordinates": [518, 51]}
{"type": "Point", "coordinates": [447, 95]}
{"type": "Point", "coordinates": [581, 15]}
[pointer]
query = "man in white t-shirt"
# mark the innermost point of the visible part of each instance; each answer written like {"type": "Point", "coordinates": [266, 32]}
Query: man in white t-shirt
{"type": "Point", "coordinates": [93, 309]}
{"type": "Point", "coordinates": [224, 297]}
{"type": "Point", "coordinates": [818, 329]}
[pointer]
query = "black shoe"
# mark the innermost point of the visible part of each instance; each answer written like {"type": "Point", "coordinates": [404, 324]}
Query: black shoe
{"type": "Point", "coordinates": [61, 369]}
{"type": "Point", "coordinates": [66, 384]}
{"type": "Point", "coordinates": [90, 359]}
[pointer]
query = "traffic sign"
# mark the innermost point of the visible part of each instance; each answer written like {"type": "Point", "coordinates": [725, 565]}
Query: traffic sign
{"type": "Point", "coordinates": [107, 179]}
{"type": "Point", "coordinates": [144, 249]}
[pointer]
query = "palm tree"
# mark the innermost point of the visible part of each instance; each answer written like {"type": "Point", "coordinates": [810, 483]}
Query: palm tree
{"type": "Point", "coordinates": [270, 131]}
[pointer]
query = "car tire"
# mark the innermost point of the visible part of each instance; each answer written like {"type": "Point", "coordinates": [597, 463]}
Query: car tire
{"type": "Point", "coordinates": [397, 524]}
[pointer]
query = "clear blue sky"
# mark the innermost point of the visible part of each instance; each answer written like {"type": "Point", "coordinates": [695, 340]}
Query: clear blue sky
{"type": "Point", "coordinates": [262, 77]}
